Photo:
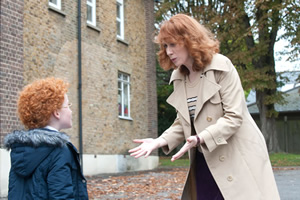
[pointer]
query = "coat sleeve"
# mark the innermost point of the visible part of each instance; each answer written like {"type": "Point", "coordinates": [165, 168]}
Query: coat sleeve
{"type": "Point", "coordinates": [59, 178]}
{"type": "Point", "coordinates": [233, 100]}
{"type": "Point", "coordinates": [173, 135]}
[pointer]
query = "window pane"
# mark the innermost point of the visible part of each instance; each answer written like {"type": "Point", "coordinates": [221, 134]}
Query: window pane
{"type": "Point", "coordinates": [125, 77]}
{"type": "Point", "coordinates": [126, 100]}
{"type": "Point", "coordinates": [118, 11]}
{"type": "Point", "coordinates": [53, 1]}
{"type": "Point", "coordinates": [123, 95]}
{"type": "Point", "coordinates": [89, 13]}
{"type": "Point", "coordinates": [120, 102]}
{"type": "Point", "coordinates": [120, 19]}
{"type": "Point", "coordinates": [118, 28]}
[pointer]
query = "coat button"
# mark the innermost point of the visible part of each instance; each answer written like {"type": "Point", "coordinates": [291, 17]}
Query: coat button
{"type": "Point", "coordinates": [219, 140]}
{"type": "Point", "coordinates": [84, 181]}
{"type": "Point", "coordinates": [222, 158]}
{"type": "Point", "coordinates": [209, 119]}
{"type": "Point", "coordinates": [229, 178]}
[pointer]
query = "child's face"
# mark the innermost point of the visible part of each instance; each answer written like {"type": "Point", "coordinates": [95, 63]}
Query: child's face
{"type": "Point", "coordinates": [66, 114]}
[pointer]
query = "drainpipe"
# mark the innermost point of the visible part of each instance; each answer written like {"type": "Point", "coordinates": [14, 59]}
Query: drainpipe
{"type": "Point", "coordinates": [79, 82]}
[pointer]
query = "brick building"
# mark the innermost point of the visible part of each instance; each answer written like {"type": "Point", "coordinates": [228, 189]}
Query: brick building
{"type": "Point", "coordinates": [108, 58]}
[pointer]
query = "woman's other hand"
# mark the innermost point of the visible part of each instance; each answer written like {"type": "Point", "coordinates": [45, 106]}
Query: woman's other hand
{"type": "Point", "coordinates": [190, 143]}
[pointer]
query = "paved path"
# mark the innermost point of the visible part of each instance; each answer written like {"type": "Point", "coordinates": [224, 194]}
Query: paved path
{"type": "Point", "coordinates": [288, 182]}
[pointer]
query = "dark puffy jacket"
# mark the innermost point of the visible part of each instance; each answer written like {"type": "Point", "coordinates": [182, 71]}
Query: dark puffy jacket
{"type": "Point", "coordinates": [44, 165]}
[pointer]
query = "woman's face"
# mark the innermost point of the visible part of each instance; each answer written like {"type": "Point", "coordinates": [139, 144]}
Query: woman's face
{"type": "Point", "coordinates": [178, 54]}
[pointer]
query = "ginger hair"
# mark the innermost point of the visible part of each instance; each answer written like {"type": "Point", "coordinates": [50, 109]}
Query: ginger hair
{"type": "Point", "coordinates": [184, 30]}
{"type": "Point", "coordinates": [38, 100]}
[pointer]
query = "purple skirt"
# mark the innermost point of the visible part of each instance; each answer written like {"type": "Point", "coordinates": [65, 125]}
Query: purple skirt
{"type": "Point", "coordinates": [207, 189]}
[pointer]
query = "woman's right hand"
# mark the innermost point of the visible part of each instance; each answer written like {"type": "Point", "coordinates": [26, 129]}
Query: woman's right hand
{"type": "Point", "coordinates": [146, 146]}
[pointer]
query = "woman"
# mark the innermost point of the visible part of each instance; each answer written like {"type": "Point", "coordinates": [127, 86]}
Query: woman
{"type": "Point", "coordinates": [227, 151]}
{"type": "Point", "coordinates": [44, 163]}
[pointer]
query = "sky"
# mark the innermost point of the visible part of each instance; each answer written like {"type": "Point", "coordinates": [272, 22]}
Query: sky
{"type": "Point", "coordinates": [280, 61]}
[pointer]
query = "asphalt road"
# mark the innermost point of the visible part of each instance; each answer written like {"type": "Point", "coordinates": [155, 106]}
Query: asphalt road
{"type": "Point", "coordinates": [288, 183]}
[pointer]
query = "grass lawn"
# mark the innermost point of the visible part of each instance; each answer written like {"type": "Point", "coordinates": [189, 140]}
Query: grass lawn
{"type": "Point", "coordinates": [166, 162]}
{"type": "Point", "coordinates": [277, 160]}
{"type": "Point", "coordinates": [284, 159]}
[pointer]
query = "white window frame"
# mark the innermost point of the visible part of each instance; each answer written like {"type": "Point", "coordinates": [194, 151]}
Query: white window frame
{"type": "Point", "coordinates": [57, 5]}
{"type": "Point", "coordinates": [123, 92]}
{"type": "Point", "coordinates": [93, 6]}
{"type": "Point", "coordinates": [120, 19]}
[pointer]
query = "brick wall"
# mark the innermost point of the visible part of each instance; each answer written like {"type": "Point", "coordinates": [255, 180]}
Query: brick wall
{"type": "Point", "coordinates": [151, 69]}
{"type": "Point", "coordinates": [50, 49]}
{"type": "Point", "coordinates": [11, 63]}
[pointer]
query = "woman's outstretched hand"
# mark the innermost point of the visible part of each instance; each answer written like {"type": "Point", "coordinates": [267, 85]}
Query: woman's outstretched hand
{"type": "Point", "coordinates": [146, 146]}
{"type": "Point", "coordinates": [190, 143]}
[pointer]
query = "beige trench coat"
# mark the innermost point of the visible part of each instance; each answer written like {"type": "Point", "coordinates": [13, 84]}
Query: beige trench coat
{"type": "Point", "coordinates": [234, 149]}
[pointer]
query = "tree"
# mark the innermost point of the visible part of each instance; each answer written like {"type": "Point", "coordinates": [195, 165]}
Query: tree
{"type": "Point", "coordinates": [166, 113]}
{"type": "Point", "coordinates": [248, 31]}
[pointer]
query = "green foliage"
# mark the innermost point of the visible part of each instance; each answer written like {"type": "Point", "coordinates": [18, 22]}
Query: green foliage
{"type": "Point", "coordinates": [258, 78]}
{"type": "Point", "coordinates": [290, 22]}
{"type": "Point", "coordinates": [247, 92]}
{"type": "Point", "coordinates": [166, 113]}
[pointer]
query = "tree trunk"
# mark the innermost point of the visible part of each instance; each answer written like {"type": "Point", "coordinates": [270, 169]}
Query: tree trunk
{"type": "Point", "coordinates": [268, 124]}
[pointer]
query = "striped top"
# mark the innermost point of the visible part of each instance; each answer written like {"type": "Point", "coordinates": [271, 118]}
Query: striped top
{"type": "Point", "coordinates": [192, 106]}
{"type": "Point", "coordinates": [192, 89]}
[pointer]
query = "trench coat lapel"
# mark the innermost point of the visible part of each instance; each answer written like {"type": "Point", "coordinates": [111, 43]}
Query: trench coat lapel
{"type": "Point", "coordinates": [208, 88]}
{"type": "Point", "coordinates": [178, 100]}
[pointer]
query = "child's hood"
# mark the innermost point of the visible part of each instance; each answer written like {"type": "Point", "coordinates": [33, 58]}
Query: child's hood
{"type": "Point", "coordinates": [30, 148]}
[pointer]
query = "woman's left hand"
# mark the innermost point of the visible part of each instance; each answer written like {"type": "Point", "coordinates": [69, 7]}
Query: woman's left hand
{"type": "Point", "coordinates": [190, 143]}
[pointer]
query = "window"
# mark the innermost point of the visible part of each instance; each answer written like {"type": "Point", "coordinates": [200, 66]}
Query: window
{"type": "Point", "coordinates": [91, 12]}
{"type": "Point", "coordinates": [120, 19]}
{"type": "Point", "coordinates": [55, 3]}
{"type": "Point", "coordinates": [124, 95]}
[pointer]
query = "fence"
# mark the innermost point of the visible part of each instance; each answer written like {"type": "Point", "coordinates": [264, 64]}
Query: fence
{"type": "Point", "coordinates": [288, 131]}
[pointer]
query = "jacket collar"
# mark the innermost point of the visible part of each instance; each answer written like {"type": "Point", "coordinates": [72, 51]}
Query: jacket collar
{"type": "Point", "coordinates": [36, 138]}
{"type": "Point", "coordinates": [217, 64]}
{"type": "Point", "coordinates": [208, 87]}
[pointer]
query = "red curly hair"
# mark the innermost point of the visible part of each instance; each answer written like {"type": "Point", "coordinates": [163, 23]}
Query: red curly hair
{"type": "Point", "coordinates": [39, 99]}
{"type": "Point", "coordinates": [184, 30]}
